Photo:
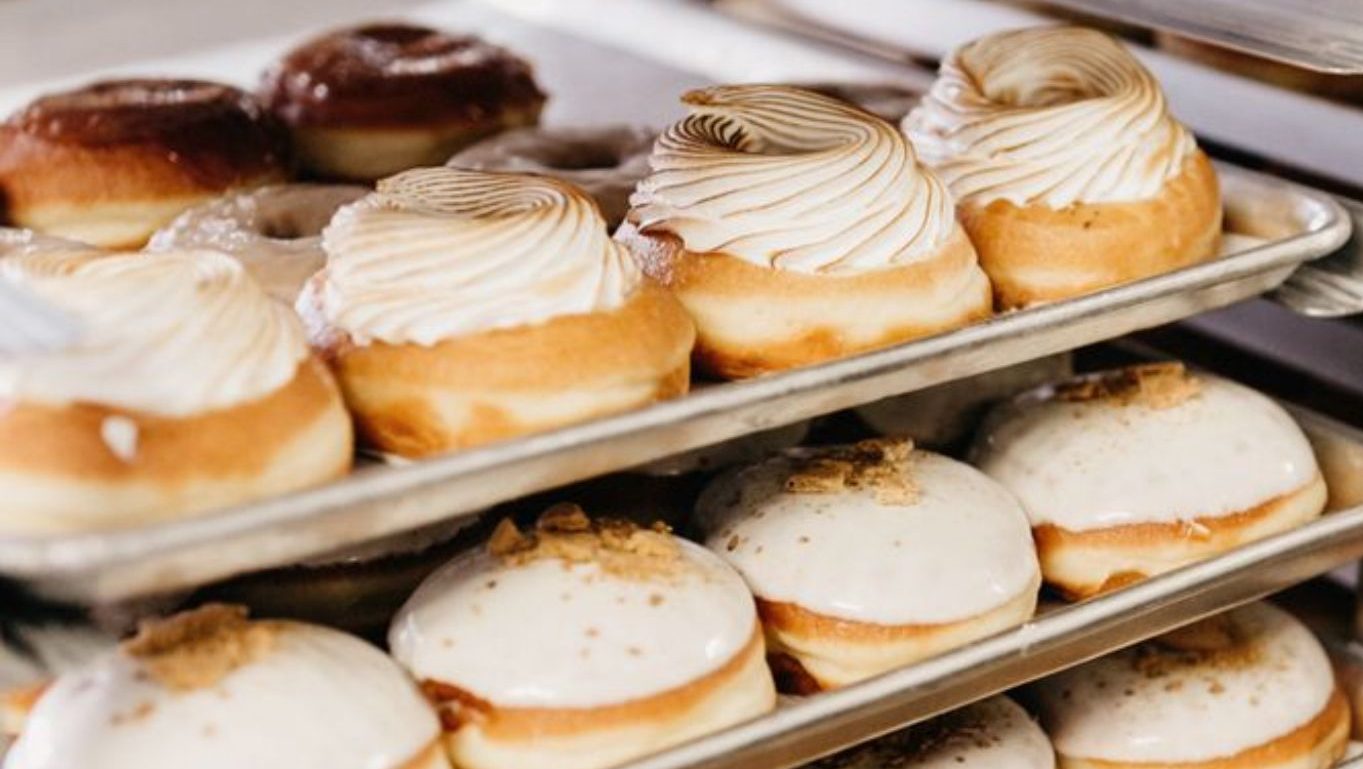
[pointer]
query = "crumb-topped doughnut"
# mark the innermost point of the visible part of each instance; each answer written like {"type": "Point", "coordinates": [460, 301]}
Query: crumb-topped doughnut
{"type": "Point", "coordinates": [606, 162]}
{"type": "Point", "coordinates": [1070, 171]}
{"type": "Point", "coordinates": [797, 228]}
{"type": "Point", "coordinates": [111, 162]}
{"type": "Point", "coordinates": [212, 689]}
{"type": "Point", "coordinates": [369, 101]}
{"type": "Point", "coordinates": [185, 389]}
{"type": "Point", "coordinates": [275, 232]}
{"type": "Point", "coordinates": [582, 644]}
{"type": "Point", "coordinates": [943, 556]}
{"type": "Point", "coordinates": [991, 734]}
{"type": "Point", "coordinates": [1134, 472]}
{"type": "Point", "coordinates": [1251, 688]}
{"type": "Point", "coordinates": [461, 307]}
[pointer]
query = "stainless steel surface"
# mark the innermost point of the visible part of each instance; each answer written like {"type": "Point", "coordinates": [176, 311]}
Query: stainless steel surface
{"type": "Point", "coordinates": [808, 728]}
{"type": "Point", "coordinates": [380, 501]}
{"type": "Point", "coordinates": [1330, 287]}
{"type": "Point", "coordinates": [1322, 35]}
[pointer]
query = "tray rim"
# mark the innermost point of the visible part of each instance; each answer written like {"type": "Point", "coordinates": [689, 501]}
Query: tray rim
{"type": "Point", "coordinates": [55, 559]}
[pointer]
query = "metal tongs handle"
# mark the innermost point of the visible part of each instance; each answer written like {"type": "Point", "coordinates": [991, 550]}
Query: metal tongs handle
{"type": "Point", "coordinates": [1332, 286]}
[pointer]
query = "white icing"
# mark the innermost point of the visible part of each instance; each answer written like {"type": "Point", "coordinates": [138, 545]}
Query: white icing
{"type": "Point", "coordinates": [438, 253]}
{"type": "Point", "coordinates": [1052, 116]}
{"type": "Point", "coordinates": [789, 179]}
{"type": "Point", "coordinates": [961, 548]}
{"type": "Point", "coordinates": [549, 634]}
{"type": "Point", "coordinates": [1114, 709]}
{"type": "Point", "coordinates": [120, 435]}
{"type": "Point", "coordinates": [173, 334]}
{"type": "Point", "coordinates": [275, 232]}
{"type": "Point", "coordinates": [991, 734]}
{"type": "Point", "coordinates": [1083, 465]}
{"type": "Point", "coordinates": [316, 698]}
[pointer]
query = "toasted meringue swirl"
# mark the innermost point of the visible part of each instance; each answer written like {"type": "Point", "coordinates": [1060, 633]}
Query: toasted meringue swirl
{"type": "Point", "coordinates": [437, 253]}
{"type": "Point", "coordinates": [789, 179]}
{"type": "Point", "coordinates": [1052, 116]}
{"type": "Point", "coordinates": [171, 334]}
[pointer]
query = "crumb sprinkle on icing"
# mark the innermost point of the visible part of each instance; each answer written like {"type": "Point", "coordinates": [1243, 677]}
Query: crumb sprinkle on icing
{"type": "Point", "coordinates": [198, 648]}
{"type": "Point", "coordinates": [1153, 385]}
{"type": "Point", "coordinates": [880, 464]}
{"type": "Point", "coordinates": [565, 533]}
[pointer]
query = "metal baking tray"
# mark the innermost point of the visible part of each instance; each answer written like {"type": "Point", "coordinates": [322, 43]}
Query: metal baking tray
{"type": "Point", "coordinates": [377, 501]}
{"type": "Point", "coordinates": [803, 729]}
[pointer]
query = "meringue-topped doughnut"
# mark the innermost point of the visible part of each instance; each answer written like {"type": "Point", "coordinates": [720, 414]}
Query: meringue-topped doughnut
{"type": "Point", "coordinates": [1249, 689]}
{"type": "Point", "coordinates": [186, 389]}
{"type": "Point", "coordinates": [606, 162]}
{"type": "Point", "coordinates": [797, 228]}
{"type": "Point", "coordinates": [1137, 471]}
{"type": "Point", "coordinates": [369, 101]}
{"type": "Point", "coordinates": [582, 644]}
{"type": "Point", "coordinates": [990, 734]}
{"type": "Point", "coordinates": [109, 163]}
{"type": "Point", "coordinates": [211, 689]}
{"type": "Point", "coordinates": [461, 307]}
{"type": "Point", "coordinates": [1071, 173]}
{"type": "Point", "coordinates": [275, 232]}
{"type": "Point", "coordinates": [942, 557]}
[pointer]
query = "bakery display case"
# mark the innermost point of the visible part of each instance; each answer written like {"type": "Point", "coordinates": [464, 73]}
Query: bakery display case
{"type": "Point", "coordinates": [680, 384]}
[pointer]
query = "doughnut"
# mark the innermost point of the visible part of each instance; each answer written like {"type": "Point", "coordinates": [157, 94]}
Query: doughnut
{"type": "Point", "coordinates": [991, 734]}
{"type": "Point", "coordinates": [1130, 473]}
{"type": "Point", "coordinates": [582, 644]}
{"type": "Point", "coordinates": [211, 689]}
{"type": "Point", "coordinates": [1070, 172]}
{"type": "Point", "coordinates": [275, 232]}
{"type": "Point", "coordinates": [943, 556]}
{"type": "Point", "coordinates": [462, 307]}
{"type": "Point", "coordinates": [187, 389]}
{"type": "Point", "coordinates": [606, 162]}
{"type": "Point", "coordinates": [369, 101]}
{"type": "Point", "coordinates": [797, 228]}
{"type": "Point", "coordinates": [109, 163]}
{"type": "Point", "coordinates": [1249, 688]}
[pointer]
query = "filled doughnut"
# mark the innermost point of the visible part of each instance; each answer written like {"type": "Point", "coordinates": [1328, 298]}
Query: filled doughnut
{"type": "Point", "coordinates": [109, 163]}
{"type": "Point", "coordinates": [582, 644]}
{"type": "Point", "coordinates": [797, 228]}
{"type": "Point", "coordinates": [369, 101]}
{"type": "Point", "coordinates": [186, 389]}
{"type": "Point", "coordinates": [462, 307]}
{"type": "Point", "coordinates": [1071, 174]}
{"type": "Point", "coordinates": [1249, 688]}
{"type": "Point", "coordinates": [868, 557]}
{"type": "Point", "coordinates": [1102, 464]}
{"type": "Point", "coordinates": [606, 162]}
{"type": "Point", "coordinates": [275, 232]}
{"type": "Point", "coordinates": [211, 689]}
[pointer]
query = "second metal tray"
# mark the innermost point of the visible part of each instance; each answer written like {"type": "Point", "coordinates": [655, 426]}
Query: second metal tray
{"type": "Point", "coordinates": [1299, 223]}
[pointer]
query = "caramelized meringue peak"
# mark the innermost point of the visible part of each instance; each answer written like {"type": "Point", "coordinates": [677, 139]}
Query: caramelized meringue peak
{"type": "Point", "coordinates": [789, 179]}
{"type": "Point", "coordinates": [437, 253]}
{"type": "Point", "coordinates": [1051, 116]}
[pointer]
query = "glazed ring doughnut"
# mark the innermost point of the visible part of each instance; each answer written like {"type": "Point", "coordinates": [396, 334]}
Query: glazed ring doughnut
{"type": "Point", "coordinates": [606, 162]}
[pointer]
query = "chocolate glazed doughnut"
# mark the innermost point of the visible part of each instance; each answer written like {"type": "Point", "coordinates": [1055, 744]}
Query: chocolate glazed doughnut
{"type": "Point", "coordinates": [111, 162]}
{"type": "Point", "coordinates": [369, 101]}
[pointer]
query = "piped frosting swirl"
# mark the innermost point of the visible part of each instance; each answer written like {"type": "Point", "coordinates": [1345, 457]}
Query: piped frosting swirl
{"type": "Point", "coordinates": [1050, 116]}
{"type": "Point", "coordinates": [789, 179]}
{"type": "Point", "coordinates": [172, 334]}
{"type": "Point", "coordinates": [437, 253]}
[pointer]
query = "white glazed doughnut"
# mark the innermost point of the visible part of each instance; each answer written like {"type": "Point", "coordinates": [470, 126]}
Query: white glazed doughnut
{"type": "Point", "coordinates": [991, 734]}
{"type": "Point", "coordinates": [212, 690]}
{"type": "Point", "coordinates": [1249, 689]}
{"type": "Point", "coordinates": [868, 557]}
{"type": "Point", "coordinates": [606, 162]}
{"type": "Point", "coordinates": [582, 644]}
{"type": "Point", "coordinates": [275, 232]}
{"type": "Point", "coordinates": [1137, 471]}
